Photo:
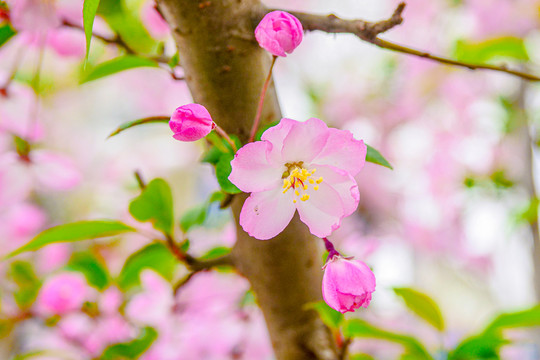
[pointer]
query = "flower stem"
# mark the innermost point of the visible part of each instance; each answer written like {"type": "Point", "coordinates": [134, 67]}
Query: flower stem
{"type": "Point", "coordinates": [330, 248]}
{"type": "Point", "coordinates": [261, 102]}
{"type": "Point", "coordinates": [226, 136]}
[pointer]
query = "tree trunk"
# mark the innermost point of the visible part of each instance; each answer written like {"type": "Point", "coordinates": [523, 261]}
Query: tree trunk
{"type": "Point", "coordinates": [225, 71]}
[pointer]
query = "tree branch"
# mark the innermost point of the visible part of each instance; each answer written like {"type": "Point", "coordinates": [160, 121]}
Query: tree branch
{"type": "Point", "coordinates": [369, 31]}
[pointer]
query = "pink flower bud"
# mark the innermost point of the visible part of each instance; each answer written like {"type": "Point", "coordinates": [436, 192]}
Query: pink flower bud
{"type": "Point", "coordinates": [347, 284]}
{"type": "Point", "coordinates": [191, 122]}
{"type": "Point", "coordinates": [62, 293]}
{"type": "Point", "coordinates": [279, 33]}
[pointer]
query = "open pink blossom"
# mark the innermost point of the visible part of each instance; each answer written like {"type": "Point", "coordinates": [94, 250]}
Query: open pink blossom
{"type": "Point", "coordinates": [62, 294]}
{"type": "Point", "coordinates": [347, 284]}
{"type": "Point", "coordinates": [191, 122]}
{"type": "Point", "coordinates": [302, 166]}
{"type": "Point", "coordinates": [279, 33]}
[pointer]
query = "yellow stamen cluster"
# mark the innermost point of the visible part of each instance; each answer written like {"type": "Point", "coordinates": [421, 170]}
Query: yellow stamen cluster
{"type": "Point", "coordinates": [298, 178]}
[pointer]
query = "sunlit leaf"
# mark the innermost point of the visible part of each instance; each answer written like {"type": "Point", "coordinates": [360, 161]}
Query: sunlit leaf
{"type": "Point", "coordinates": [375, 157]}
{"type": "Point", "coordinates": [525, 318]}
{"type": "Point", "coordinates": [76, 231]}
{"type": "Point", "coordinates": [216, 253]}
{"type": "Point", "coordinates": [422, 305]}
{"type": "Point", "coordinates": [483, 51]}
{"type": "Point", "coordinates": [478, 348]}
{"type": "Point", "coordinates": [117, 65]}
{"type": "Point", "coordinates": [155, 256]}
{"type": "Point", "coordinates": [89, 13]}
{"type": "Point", "coordinates": [360, 328]}
{"type": "Point", "coordinates": [132, 349]}
{"type": "Point", "coordinates": [155, 204]}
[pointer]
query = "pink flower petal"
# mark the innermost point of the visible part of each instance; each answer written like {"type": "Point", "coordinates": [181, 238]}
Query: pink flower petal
{"type": "Point", "coordinates": [265, 214]}
{"type": "Point", "coordinates": [251, 170]}
{"type": "Point", "coordinates": [322, 212]}
{"type": "Point", "coordinates": [55, 171]}
{"type": "Point", "coordinates": [343, 183]}
{"type": "Point", "coordinates": [304, 141]}
{"type": "Point", "coordinates": [343, 151]}
{"type": "Point", "coordinates": [276, 135]}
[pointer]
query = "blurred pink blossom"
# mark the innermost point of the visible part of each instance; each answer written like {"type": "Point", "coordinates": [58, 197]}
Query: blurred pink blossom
{"type": "Point", "coordinates": [33, 15]}
{"type": "Point", "coordinates": [62, 293]}
{"type": "Point", "coordinates": [154, 305]}
{"type": "Point", "coordinates": [154, 22]}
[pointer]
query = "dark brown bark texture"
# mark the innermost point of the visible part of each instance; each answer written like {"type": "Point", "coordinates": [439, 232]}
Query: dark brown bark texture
{"type": "Point", "coordinates": [225, 70]}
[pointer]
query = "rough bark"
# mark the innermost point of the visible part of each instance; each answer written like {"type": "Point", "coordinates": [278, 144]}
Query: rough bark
{"type": "Point", "coordinates": [225, 70]}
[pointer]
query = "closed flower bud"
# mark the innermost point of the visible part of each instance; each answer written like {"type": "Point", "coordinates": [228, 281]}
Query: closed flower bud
{"type": "Point", "coordinates": [191, 122]}
{"type": "Point", "coordinates": [347, 284]}
{"type": "Point", "coordinates": [279, 33]}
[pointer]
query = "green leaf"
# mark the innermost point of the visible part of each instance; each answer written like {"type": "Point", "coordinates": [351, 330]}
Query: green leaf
{"type": "Point", "coordinates": [423, 306]}
{"type": "Point", "coordinates": [361, 328]}
{"type": "Point", "coordinates": [76, 231]}
{"type": "Point", "coordinates": [329, 316]}
{"type": "Point", "coordinates": [148, 120]}
{"type": "Point", "coordinates": [375, 157]}
{"type": "Point", "coordinates": [155, 204]}
{"type": "Point", "coordinates": [154, 256]}
{"type": "Point", "coordinates": [525, 318]}
{"type": "Point", "coordinates": [219, 148]}
{"type": "Point", "coordinates": [484, 51]}
{"type": "Point", "coordinates": [89, 13]}
{"type": "Point", "coordinates": [216, 253]}
{"type": "Point", "coordinates": [173, 62]}
{"type": "Point", "coordinates": [193, 217]}
{"type": "Point", "coordinates": [117, 65]}
{"type": "Point", "coordinates": [23, 274]}
{"type": "Point", "coordinates": [132, 349]}
{"type": "Point", "coordinates": [223, 170]}
{"type": "Point", "coordinates": [95, 272]}
{"type": "Point", "coordinates": [6, 33]}
{"type": "Point", "coordinates": [477, 348]}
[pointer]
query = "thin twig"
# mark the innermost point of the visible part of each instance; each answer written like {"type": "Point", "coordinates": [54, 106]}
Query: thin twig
{"type": "Point", "coordinates": [255, 126]}
{"type": "Point", "coordinates": [140, 181]}
{"type": "Point", "coordinates": [226, 136]}
{"type": "Point", "coordinates": [369, 31]}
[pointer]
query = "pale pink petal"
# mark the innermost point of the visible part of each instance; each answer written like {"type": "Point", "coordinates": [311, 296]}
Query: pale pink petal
{"type": "Point", "coordinates": [343, 151]}
{"type": "Point", "coordinates": [343, 183]}
{"type": "Point", "coordinates": [67, 42]}
{"type": "Point", "coordinates": [265, 214]}
{"type": "Point", "coordinates": [304, 141]}
{"type": "Point", "coordinates": [55, 171]}
{"type": "Point", "coordinates": [276, 135]}
{"type": "Point", "coordinates": [251, 170]}
{"type": "Point", "coordinates": [322, 212]}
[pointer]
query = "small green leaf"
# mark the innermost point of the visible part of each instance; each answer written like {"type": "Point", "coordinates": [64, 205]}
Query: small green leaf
{"type": "Point", "coordinates": [478, 348]}
{"type": "Point", "coordinates": [525, 318]}
{"type": "Point", "coordinates": [155, 204]}
{"type": "Point", "coordinates": [95, 272]}
{"type": "Point", "coordinates": [193, 217]}
{"type": "Point", "coordinates": [6, 33]}
{"type": "Point", "coordinates": [173, 62]}
{"type": "Point", "coordinates": [223, 170]}
{"type": "Point", "coordinates": [89, 13]}
{"type": "Point", "coordinates": [154, 256]}
{"type": "Point", "coordinates": [117, 65]}
{"type": "Point", "coordinates": [361, 357]}
{"type": "Point", "coordinates": [329, 316]}
{"type": "Point", "coordinates": [132, 349]}
{"type": "Point", "coordinates": [82, 230]}
{"type": "Point", "coordinates": [423, 306]}
{"type": "Point", "coordinates": [216, 253]}
{"type": "Point", "coordinates": [484, 51]}
{"type": "Point", "coordinates": [375, 157]}
{"type": "Point", "coordinates": [23, 274]}
{"type": "Point", "coordinates": [360, 328]}
{"type": "Point", "coordinates": [148, 120]}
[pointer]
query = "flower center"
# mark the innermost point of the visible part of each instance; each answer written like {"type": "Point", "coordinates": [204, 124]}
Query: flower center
{"type": "Point", "coordinates": [298, 178]}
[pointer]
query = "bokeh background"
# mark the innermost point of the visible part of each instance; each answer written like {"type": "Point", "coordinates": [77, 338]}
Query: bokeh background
{"type": "Point", "coordinates": [456, 218]}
